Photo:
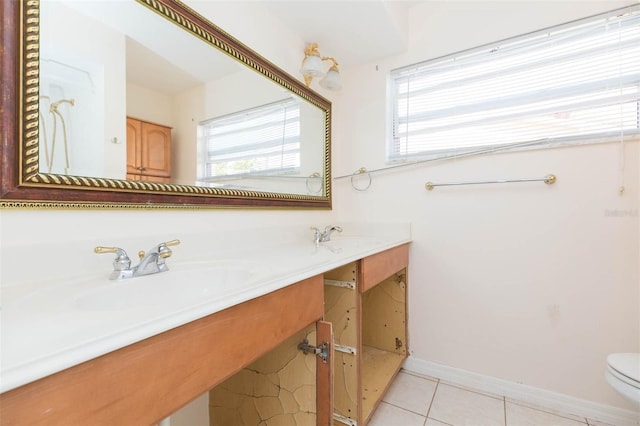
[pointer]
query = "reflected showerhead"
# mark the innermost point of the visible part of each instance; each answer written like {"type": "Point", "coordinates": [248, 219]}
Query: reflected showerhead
{"type": "Point", "coordinates": [54, 106]}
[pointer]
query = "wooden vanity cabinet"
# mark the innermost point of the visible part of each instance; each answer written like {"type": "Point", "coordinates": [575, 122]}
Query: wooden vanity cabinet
{"type": "Point", "coordinates": [148, 151]}
{"type": "Point", "coordinates": [248, 357]}
{"type": "Point", "coordinates": [366, 303]}
{"type": "Point", "coordinates": [145, 382]}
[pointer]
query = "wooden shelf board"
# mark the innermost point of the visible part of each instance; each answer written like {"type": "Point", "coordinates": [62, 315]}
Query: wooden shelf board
{"type": "Point", "coordinates": [378, 369]}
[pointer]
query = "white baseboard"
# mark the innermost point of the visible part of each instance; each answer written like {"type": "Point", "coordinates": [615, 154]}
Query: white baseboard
{"type": "Point", "coordinates": [529, 394]}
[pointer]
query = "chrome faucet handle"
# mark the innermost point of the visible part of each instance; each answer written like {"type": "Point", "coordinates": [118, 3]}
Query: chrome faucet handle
{"type": "Point", "coordinates": [163, 248]}
{"type": "Point", "coordinates": [326, 235]}
{"type": "Point", "coordinates": [328, 229]}
{"type": "Point", "coordinates": [317, 235]}
{"type": "Point", "coordinates": [121, 262]}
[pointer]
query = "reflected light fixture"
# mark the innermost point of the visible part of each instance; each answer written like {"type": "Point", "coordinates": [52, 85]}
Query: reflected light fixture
{"type": "Point", "coordinates": [313, 67]}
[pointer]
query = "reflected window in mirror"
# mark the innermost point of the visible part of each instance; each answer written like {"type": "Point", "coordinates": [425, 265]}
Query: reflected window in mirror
{"type": "Point", "coordinates": [260, 141]}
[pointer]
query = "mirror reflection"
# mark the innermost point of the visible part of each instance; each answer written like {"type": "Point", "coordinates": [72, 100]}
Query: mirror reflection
{"type": "Point", "coordinates": [154, 103]}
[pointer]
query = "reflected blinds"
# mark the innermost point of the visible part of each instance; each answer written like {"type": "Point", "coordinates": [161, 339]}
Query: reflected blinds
{"type": "Point", "coordinates": [260, 140]}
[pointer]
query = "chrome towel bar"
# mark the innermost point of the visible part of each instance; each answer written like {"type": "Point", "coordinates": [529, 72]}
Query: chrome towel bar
{"type": "Point", "coordinates": [549, 180]}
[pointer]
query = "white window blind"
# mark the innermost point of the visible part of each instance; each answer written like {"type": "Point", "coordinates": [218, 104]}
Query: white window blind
{"type": "Point", "coordinates": [257, 141]}
{"type": "Point", "coordinates": [578, 81]}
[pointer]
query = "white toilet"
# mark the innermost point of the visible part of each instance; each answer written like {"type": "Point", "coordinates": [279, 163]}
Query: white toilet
{"type": "Point", "coordinates": [623, 374]}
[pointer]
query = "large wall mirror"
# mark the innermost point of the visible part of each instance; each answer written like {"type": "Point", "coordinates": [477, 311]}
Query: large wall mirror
{"type": "Point", "coordinates": [145, 103]}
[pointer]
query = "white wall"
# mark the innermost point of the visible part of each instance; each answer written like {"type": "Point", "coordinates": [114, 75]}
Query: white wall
{"type": "Point", "coordinates": [526, 282]}
{"type": "Point", "coordinates": [90, 71]}
{"type": "Point", "coordinates": [149, 105]}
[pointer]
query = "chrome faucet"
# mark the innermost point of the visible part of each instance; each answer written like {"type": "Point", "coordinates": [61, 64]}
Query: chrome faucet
{"type": "Point", "coordinates": [151, 262]}
{"type": "Point", "coordinates": [324, 236]}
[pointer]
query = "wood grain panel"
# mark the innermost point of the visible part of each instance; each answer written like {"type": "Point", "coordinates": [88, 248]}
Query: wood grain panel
{"type": "Point", "coordinates": [346, 385]}
{"type": "Point", "coordinates": [379, 266]}
{"type": "Point", "coordinates": [341, 306]}
{"type": "Point", "coordinates": [277, 389]}
{"type": "Point", "coordinates": [156, 149]}
{"type": "Point", "coordinates": [384, 338]}
{"type": "Point", "coordinates": [147, 381]}
{"type": "Point", "coordinates": [379, 367]}
{"type": "Point", "coordinates": [342, 309]}
{"type": "Point", "coordinates": [384, 314]}
{"type": "Point", "coordinates": [324, 383]}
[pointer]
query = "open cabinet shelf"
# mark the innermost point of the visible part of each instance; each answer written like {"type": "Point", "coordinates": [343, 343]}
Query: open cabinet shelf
{"type": "Point", "coordinates": [366, 303]}
{"type": "Point", "coordinates": [379, 367]}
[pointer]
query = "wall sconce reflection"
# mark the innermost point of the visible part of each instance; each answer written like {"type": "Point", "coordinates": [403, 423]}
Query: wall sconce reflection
{"type": "Point", "coordinates": [313, 67]}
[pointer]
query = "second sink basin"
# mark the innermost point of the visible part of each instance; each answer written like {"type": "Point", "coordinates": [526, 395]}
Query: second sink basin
{"type": "Point", "coordinates": [179, 285]}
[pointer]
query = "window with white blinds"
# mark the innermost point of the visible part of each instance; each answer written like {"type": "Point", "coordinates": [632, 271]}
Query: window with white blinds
{"type": "Point", "coordinates": [578, 81]}
{"type": "Point", "coordinates": [256, 141]}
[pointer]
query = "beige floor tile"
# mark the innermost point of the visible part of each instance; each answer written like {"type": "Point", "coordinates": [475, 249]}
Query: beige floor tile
{"type": "Point", "coordinates": [482, 392]}
{"type": "Point", "coordinates": [546, 409]}
{"type": "Point", "coordinates": [519, 415]}
{"type": "Point", "coordinates": [411, 392]}
{"type": "Point", "coordinates": [597, 423]}
{"type": "Point", "coordinates": [390, 415]}
{"type": "Point", "coordinates": [461, 407]}
{"type": "Point", "coordinates": [432, 422]}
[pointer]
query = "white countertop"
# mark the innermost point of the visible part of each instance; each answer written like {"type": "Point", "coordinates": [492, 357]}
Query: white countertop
{"type": "Point", "coordinates": [47, 326]}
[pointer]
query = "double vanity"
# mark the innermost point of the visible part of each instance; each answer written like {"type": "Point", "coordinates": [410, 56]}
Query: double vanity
{"type": "Point", "coordinates": [284, 332]}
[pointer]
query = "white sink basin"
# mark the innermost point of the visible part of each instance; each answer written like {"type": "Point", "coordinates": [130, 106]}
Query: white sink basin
{"type": "Point", "coordinates": [184, 284]}
{"type": "Point", "coordinates": [174, 287]}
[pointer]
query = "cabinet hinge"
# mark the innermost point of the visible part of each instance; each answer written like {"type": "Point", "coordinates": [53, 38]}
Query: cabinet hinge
{"type": "Point", "coordinates": [322, 351]}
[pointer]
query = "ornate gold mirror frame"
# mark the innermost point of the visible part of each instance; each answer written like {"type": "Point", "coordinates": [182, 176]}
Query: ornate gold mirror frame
{"type": "Point", "coordinates": [23, 185]}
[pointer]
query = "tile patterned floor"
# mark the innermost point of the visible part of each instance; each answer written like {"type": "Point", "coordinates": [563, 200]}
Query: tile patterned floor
{"type": "Point", "coordinates": [419, 401]}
